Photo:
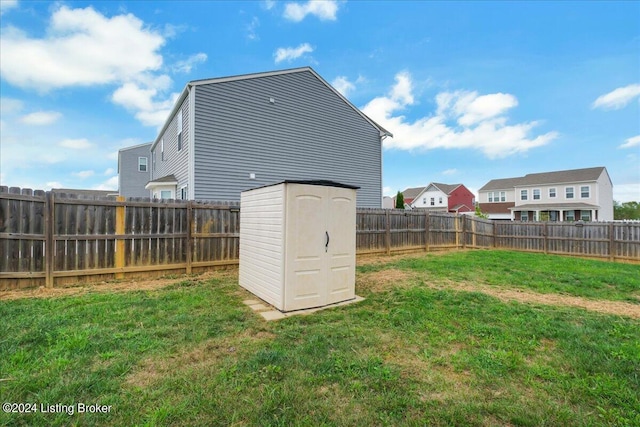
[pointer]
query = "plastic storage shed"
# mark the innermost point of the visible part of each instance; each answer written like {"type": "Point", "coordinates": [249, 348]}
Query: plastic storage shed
{"type": "Point", "coordinates": [298, 243]}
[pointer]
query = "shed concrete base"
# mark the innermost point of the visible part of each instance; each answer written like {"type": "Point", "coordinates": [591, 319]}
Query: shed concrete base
{"type": "Point", "coordinates": [268, 312]}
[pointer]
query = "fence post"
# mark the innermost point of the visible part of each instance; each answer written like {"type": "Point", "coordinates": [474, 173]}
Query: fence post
{"type": "Point", "coordinates": [493, 234]}
{"type": "Point", "coordinates": [120, 217]}
{"type": "Point", "coordinates": [612, 242]}
{"type": "Point", "coordinates": [474, 228]}
{"type": "Point", "coordinates": [189, 244]}
{"type": "Point", "coordinates": [427, 222]}
{"type": "Point", "coordinates": [388, 233]}
{"type": "Point", "coordinates": [48, 239]}
{"type": "Point", "coordinates": [464, 231]}
{"type": "Point", "coordinates": [546, 240]}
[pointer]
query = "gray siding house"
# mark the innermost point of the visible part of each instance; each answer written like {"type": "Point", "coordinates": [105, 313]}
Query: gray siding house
{"type": "Point", "coordinates": [226, 135]}
{"type": "Point", "coordinates": [134, 170]}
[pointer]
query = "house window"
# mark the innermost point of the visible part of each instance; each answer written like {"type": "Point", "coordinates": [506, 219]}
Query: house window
{"type": "Point", "coordinates": [536, 194]}
{"type": "Point", "coordinates": [433, 201]}
{"type": "Point", "coordinates": [179, 131]}
{"type": "Point", "coordinates": [552, 193]}
{"type": "Point", "coordinates": [570, 216]}
{"type": "Point", "coordinates": [490, 196]}
{"type": "Point", "coordinates": [142, 164]}
{"type": "Point", "coordinates": [440, 200]}
{"type": "Point", "coordinates": [585, 215]}
{"type": "Point", "coordinates": [524, 216]}
{"type": "Point", "coordinates": [503, 196]}
{"type": "Point", "coordinates": [568, 192]}
{"type": "Point", "coordinates": [584, 192]}
{"type": "Point", "coordinates": [524, 194]}
{"type": "Point", "coordinates": [165, 194]}
{"type": "Point", "coordinates": [424, 201]}
{"type": "Point", "coordinates": [162, 149]}
{"type": "Point", "coordinates": [183, 193]}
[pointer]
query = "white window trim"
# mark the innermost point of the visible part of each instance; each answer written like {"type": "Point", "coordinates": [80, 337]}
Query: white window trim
{"type": "Point", "coordinates": [524, 194]}
{"type": "Point", "coordinates": [533, 194]}
{"type": "Point", "coordinates": [524, 216]}
{"type": "Point", "coordinates": [588, 187]}
{"type": "Point", "coordinates": [184, 195]}
{"type": "Point", "coordinates": [490, 197]}
{"type": "Point", "coordinates": [503, 196]}
{"type": "Point", "coordinates": [146, 164]}
{"type": "Point", "coordinates": [584, 214]}
{"type": "Point", "coordinates": [573, 193]}
{"type": "Point", "coordinates": [166, 191]}
{"type": "Point", "coordinates": [555, 193]}
{"type": "Point", "coordinates": [162, 149]}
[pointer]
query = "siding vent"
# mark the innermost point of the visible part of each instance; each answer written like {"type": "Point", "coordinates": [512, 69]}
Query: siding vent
{"type": "Point", "coordinates": [272, 100]}
{"type": "Point", "coordinates": [252, 176]}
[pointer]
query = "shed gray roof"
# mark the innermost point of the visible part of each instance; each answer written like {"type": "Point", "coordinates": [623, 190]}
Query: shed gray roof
{"type": "Point", "coordinates": [545, 178]}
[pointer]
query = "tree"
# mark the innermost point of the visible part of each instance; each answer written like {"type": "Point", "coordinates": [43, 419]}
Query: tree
{"type": "Point", "coordinates": [399, 200]}
{"type": "Point", "coordinates": [480, 214]}
{"type": "Point", "coordinates": [626, 210]}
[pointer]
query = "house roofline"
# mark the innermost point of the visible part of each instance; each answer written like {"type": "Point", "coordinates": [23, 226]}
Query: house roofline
{"type": "Point", "coordinates": [194, 83]}
{"type": "Point", "coordinates": [135, 146]}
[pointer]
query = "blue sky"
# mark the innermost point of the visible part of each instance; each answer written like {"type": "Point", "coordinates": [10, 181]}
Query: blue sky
{"type": "Point", "coordinates": [472, 91]}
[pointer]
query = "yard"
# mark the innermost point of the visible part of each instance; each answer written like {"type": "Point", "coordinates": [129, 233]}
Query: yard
{"type": "Point", "coordinates": [461, 338]}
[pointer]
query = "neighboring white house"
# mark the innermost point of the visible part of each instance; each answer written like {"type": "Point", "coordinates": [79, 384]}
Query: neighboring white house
{"type": "Point", "coordinates": [439, 197]}
{"type": "Point", "coordinates": [231, 134]}
{"type": "Point", "coordinates": [571, 195]}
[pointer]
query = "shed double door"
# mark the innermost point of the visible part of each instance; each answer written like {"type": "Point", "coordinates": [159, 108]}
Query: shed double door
{"type": "Point", "coordinates": [320, 246]}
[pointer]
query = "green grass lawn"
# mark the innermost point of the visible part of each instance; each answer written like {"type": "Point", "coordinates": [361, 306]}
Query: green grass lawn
{"type": "Point", "coordinates": [193, 354]}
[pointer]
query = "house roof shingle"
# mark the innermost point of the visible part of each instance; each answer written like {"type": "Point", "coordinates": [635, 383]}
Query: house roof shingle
{"type": "Point", "coordinates": [558, 177]}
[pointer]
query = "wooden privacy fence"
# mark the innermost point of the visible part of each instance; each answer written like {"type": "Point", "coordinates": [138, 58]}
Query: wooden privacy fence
{"type": "Point", "coordinates": [99, 239]}
{"type": "Point", "coordinates": [109, 237]}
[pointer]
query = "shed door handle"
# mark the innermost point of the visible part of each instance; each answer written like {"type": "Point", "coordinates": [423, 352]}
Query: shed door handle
{"type": "Point", "coordinates": [326, 245]}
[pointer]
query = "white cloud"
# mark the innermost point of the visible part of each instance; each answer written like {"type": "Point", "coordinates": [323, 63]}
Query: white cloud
{"type": "Point", "coordinates": [188, 64]}
{"type": "Point", "coordinates": [6, 5]}
{"type": "Point", "coordinates": [110, 185]}
{"type": "Point", "coordinates": [291, 53]}
{"type": "Point", "coordinates": [449, 171]}
{"type": "Point", "coordinates": [83, 174]}
{"type": "Point", "coordinates": [631, 142]}
{"type": "Point", "coordinates": [323, 9]}
{"type": "Point", "coordinates": [462, 120]}
{"type": "Point", "coordinates": [10, 106]}
{"type": "Point", "coordinates": [109, 171]}
{"type": "Point", "coordinates": [53, 184]}
{"type": "Point", "coordinates": [626, 192]}
{"type": "Point", "coordinates": [388, 191]}
{"type": "Point", "coordinates": [76, 144]}
{"type": "Point", "coordinates": [81, 47]}
{"type": "Point", "coordinates": [618, 98]}
{"type": "Point", "coordinates": [343, 85]}
{"type": "Point", "coordinates": [140, 98]}
{"type": "Point", "coordinates": [41, 118]}
{"type": "Point", "coordinates": [252, 27]}
{"type": "Point", "coordinates": [268, 4]}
